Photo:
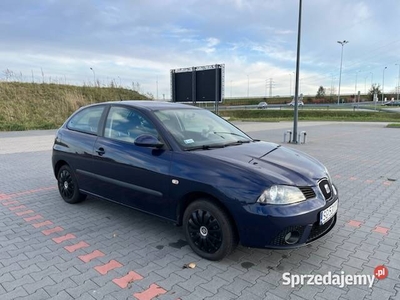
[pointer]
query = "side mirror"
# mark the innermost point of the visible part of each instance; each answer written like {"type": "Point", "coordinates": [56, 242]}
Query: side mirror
{"type": "Point", "coordinates": [148, 140]}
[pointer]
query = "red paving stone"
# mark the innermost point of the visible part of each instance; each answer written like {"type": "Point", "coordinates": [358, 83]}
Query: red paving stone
{"type": "Point", "coordinates": [387, 183]}
{"type": "Point", "coordinates": [354, 223]}
{"type": "Point", "coordinates": [10, 203]}
{"type": "Point", "coordinates": [26, 212]}
{"type": "Point", "coordinates": [52, 230]}
{"type": "Point", "coordinates": [4, 197]}
{"type": "Point", "coordinates": [17, 207]}
{"type": "Point", "coordinates": [382, 230]}
{"type": "Point", "coordinates": [153, 291]}
{"type": "Point", "coordinates": [37, 217]}
{"type": "Point", "coordinates": [77, 246]}
{"type": "Point", "coordinates": [63, 238]}
{"type": "Point", "coordinates": [337, 176]}
{"type": "Point", "coordinates": [88, 257]}
{"type": "Point", "coordinates": [353, 178]}
{"type": "Point", "coordinates": [124, 281]}
{"type": "Point", "coordinates": [45, 223]}
{"type": "Point", "coordinates": [369, 181]}
{"type": "Point", "coordinates": [111, 265]}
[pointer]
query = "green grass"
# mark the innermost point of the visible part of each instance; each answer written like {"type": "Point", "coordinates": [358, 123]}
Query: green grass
{"type": "Point", "coordinates": [26, 106]}
{"type": "Point", "coordinates": [311, 115]}
{"type": "Point", "coordinates": [393, 125]}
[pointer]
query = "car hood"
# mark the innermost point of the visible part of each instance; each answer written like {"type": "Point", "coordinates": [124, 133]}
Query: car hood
{"type": "Point", "coordinates": [279, 165]}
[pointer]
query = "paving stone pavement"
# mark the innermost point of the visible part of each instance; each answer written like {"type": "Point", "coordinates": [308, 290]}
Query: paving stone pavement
{"type": "Point", "coordinates": [99, 250]}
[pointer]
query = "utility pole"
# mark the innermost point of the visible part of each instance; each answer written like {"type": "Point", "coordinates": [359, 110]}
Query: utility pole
{"type": "Point", "coordinates": [271, 83]}
{"type": "Point", "coordinates": [94, 76]}
{"type": "Point", "coordinates": [398, 83]}
{"type": "Point", "coordinates": [296, 93]}
{"type": "Point", "coordinates": [341, 61]}
{"type": "Point", "coordinates": [383, 83]}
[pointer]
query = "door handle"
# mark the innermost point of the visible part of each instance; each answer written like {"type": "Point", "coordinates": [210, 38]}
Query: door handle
{"type": "Point", "coordinates": [100, 151]}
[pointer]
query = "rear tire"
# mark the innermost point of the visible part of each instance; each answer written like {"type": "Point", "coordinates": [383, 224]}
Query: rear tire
{"type": "Point", "coordinates": [68, 186]}
{"type": "Point", "coordinates": [209, 230]}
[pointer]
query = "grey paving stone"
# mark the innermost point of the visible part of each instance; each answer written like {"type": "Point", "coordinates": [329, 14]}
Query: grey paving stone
{"type": "Point", "coordinates": [87, 286]}
{"type": "Point", "coordinates": [38, 295]}
{"type": "Point", "coordinates": [169, 282]}
{"type": "Point", "coordinates": [21, 282]}
{"type": "Point", "coordinates": [54, 290]}
{"type": "Point", "coordinates": [192, 283]}
{"type": "Point", "coordinates": [214, 284]}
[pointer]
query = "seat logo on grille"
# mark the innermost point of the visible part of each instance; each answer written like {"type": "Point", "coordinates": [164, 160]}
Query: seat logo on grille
{"type": "Point", "coordinates": [327, 189]}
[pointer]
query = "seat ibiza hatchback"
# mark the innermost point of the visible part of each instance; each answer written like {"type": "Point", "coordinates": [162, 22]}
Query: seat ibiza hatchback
{"type": "Point", "coordinates": [189, 166]}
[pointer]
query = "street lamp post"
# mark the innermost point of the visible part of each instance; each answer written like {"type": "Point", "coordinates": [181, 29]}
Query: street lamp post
{"type": "Point", "coordinates": [356, 83]}
{"type": "Point", "coordinates": [398, 83]}
{"type": "Point", "coordinates": [372, 77]}
{"type": "Point", "coordinates": [296, 89]}
{"type": "Point", "coordinates": [341, 61]}
{"type": "Point", "coordinates": [383, 83]}
{"type": "Point", "coordinates": [94, 76]}
{"type": "Point", "coordinates": [248, 86]}
{"type": "Point", "coordinates": [365, 85]}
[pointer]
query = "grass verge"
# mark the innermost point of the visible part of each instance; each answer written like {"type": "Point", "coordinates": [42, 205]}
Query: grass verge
{"type": "Point", "coordinates": [25, 106]}
{"type": "Point", "coordinates": [393, 125]}
{"type": "Point", "coordinates": [311, 115]}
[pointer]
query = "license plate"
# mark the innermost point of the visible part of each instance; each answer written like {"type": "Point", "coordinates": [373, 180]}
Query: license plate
{"type": "Point", "coordinates": [328, 213]}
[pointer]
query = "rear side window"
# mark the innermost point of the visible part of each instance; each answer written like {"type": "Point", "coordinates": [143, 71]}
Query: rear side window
{"type": "Point", "coordinates": [86, 120]}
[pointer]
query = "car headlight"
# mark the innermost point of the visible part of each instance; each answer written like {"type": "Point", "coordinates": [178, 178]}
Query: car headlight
{"type": "Point", "coordinates": [281, 194]}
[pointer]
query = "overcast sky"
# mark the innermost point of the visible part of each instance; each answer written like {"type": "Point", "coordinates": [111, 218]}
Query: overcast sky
{"type": "Point", "coordinates": [141, 41]}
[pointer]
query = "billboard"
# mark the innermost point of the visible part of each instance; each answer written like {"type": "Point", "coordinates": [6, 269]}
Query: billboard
{"type": "Point", "coordinates": [198, 84]}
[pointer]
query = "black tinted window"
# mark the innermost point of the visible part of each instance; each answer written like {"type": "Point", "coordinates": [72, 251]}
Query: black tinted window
{"type": "Point", "coordinates": [87, 120]}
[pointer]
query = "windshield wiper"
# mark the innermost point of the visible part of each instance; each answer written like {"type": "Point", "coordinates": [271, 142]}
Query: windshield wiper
{"type": "Point", "coordinates": [205, 147]}
{"type": "Point", "coordinates": [231, 133]}
{"type": "Point", "coordinates": [237, 143]}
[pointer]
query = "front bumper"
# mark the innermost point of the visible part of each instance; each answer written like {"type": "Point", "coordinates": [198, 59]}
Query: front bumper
{"type": "Point", "coordinates": [268, 226]}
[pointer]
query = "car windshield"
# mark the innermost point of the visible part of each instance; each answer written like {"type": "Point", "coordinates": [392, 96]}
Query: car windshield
{"type": "Point", "coordinates": [200, 129]}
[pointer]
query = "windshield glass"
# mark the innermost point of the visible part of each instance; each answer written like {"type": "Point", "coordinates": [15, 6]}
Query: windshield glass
{"type": "Point", "coordinates": [198, 128]}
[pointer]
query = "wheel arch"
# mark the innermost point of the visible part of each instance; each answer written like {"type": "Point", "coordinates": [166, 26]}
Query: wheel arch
{"type": "Point", "coordinates": [193, 196]}
{"type": "Point", "coordinates": [58, 165]}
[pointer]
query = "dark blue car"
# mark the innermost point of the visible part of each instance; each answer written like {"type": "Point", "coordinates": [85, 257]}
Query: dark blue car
{"type": "Point", "coordinates": [189, 166]}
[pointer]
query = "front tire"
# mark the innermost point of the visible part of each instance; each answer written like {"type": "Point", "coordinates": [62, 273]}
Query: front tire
{"type": "Point", "coordinates": [68, 186]}
{"type": "Point", "coordinates": [209, 230]}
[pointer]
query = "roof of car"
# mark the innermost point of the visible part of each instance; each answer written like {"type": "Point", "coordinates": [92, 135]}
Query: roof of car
{"type": "Point", "coordinates": [151, 105]}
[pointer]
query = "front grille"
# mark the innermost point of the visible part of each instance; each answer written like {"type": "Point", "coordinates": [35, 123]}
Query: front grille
{"type": "Point", "coordinates": [326, 188]}
{"type": "Point", "coordinates": [308, 192]}
{"type": "Point", "coordinates": [318, 230]}
{"type": "Point", "coordinates": [279, 240]}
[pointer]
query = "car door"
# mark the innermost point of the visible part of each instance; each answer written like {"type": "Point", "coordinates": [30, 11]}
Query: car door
{"type": "Point", "coordinates": [76, 141]}
{"type": "Point", "coordinates": [132, 175]}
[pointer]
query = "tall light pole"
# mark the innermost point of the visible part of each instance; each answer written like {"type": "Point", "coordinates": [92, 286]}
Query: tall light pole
{"type": "Point", "coordinates": [341, 61]}
{"type": "Point", "coordinates": [355, 89]}
{"type": "Point", "coordinates": [296, 92]}
{"type": "Point", "coordinates": [398, 83]}
{"type": "Point", "coordinates": [372, 77]}
{"type": "Point", "coordinates": [94, 76]}
{"type": "Point", "coordinates": [248, 86]}
{"type": "Point", "coordinates": [365, 85]}
{"type": "Point", "coordinates": [383, 83]}
{"type": "Point", "coordinates": [231, 88]}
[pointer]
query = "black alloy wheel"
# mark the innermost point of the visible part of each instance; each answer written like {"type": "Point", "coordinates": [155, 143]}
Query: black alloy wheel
{"type": "Point", "coordinates": [68, 187]}
{"type": "Point", "coordinates": [209, 230]}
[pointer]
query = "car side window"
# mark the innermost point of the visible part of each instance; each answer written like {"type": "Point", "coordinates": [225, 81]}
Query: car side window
{"type": "Point", "coordinates": [87, 120]}
{"type": "Point", "coordinates": [127, 124]}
